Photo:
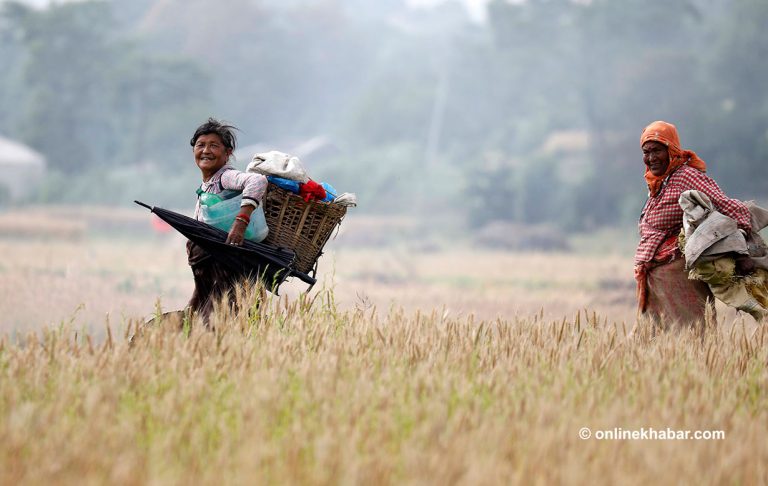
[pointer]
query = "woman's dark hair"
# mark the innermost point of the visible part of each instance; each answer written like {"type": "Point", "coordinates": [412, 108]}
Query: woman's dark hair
{"type": "Point", "coordinates": [224, 131]}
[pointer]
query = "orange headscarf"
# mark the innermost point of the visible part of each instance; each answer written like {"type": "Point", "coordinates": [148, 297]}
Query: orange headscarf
{"type": "Point", "coordinates": [666, 133]}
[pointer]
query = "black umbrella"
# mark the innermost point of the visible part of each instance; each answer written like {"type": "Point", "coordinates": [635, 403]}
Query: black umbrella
{"type": "Point", "coordinates": [270, 264]}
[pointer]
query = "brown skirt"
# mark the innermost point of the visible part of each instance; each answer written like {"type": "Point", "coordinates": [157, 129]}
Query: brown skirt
{"type": "Point", "coordinates": [673, 298]}
{"type": "Point", "coordinates": [212, 281]}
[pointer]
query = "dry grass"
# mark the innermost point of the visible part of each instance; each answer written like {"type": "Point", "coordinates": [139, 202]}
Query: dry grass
{"type": "Point", "coordinates": [424, 365]}
{"type": "Point", "coordinates": [301, 391]}
{"type": "Point", "coordinates": [43, 282]}
{"type": "Point", "coordinates": [41, 226]}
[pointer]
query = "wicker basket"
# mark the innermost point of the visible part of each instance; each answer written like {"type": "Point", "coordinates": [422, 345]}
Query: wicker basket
{"type": "Point", "coordinates": [300, 226]}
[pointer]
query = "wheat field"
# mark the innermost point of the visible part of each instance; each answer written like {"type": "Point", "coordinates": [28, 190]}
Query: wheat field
{"type": "Point", "coordinates": [302, 392]}
{"type": "Point", "coordinates": [87, 280]}
{"type": "Point", "coordinates": [446, 366]}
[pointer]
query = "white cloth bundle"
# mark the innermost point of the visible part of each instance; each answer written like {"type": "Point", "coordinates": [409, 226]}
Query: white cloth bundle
{"type": "Point", "coordinates": [278, 164]}
{"type": "Point", "coordinates": [348, 199]}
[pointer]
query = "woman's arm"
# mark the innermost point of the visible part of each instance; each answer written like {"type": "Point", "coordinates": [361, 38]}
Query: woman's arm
{"type": "Point", "coordinates": [733, 208]}
{"type": "Point", "coordinates": [253, 186]}
{"type": "Point", "coordinates": [237, 232]}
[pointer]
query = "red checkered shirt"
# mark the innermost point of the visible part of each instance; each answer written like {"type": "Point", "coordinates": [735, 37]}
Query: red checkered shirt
{"type": "Point", "coordinates": [662, 216]}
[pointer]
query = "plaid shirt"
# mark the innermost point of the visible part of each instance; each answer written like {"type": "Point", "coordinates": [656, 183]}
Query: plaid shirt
{"type": "Point", "coordinates": [662, 216]}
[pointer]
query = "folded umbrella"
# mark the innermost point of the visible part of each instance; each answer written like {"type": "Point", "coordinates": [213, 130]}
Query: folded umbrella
{"type": "Point", "coordinates": [272, 265]}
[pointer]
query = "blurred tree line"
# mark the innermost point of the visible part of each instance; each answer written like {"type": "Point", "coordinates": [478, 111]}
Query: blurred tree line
{"type": "Point", "coordinates": [533, 116]}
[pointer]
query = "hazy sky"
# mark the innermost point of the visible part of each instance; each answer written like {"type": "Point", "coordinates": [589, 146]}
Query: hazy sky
{"type": "Point", "coordinates": [475, 8]}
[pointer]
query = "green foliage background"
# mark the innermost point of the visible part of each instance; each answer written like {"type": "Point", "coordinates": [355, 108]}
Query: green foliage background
{"type": "Point", "coordinates": [428, 111]}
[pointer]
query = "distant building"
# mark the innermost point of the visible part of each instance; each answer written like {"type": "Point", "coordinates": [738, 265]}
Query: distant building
{"type": "Point", "coordinates": [20, 166]}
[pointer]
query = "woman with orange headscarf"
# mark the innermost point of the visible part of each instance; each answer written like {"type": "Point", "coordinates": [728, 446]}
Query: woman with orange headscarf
{"type": "Point", "coordinates": [665, 293]}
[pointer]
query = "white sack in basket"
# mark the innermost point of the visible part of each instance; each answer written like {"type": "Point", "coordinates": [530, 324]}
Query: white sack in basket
{"type": "Point", "coordinates": [278, 164]}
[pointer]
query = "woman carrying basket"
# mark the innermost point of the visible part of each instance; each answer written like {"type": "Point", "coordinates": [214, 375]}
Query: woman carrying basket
{"type": "Point", "coordinates": [212, 145]}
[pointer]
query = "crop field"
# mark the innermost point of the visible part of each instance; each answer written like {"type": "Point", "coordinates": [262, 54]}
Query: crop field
{"type": "Point", "coordinates": [62, 273]}
{"type": "Point", "coordinates": [409, 364]}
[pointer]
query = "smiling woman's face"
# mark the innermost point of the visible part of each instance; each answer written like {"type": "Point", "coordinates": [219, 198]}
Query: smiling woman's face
{"type": "Point", "coordinates": [656, 157]}
{"type": "Point", "coordinates": [210, 154]}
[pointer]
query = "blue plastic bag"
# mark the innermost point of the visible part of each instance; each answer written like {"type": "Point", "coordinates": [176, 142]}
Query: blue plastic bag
{"type": "Point", "coordinates": [287, 184]}
{"type": "Point", "coordinates": [330, 192]}
{"type": "Point", "coordinates": [295, 187]}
